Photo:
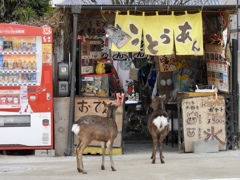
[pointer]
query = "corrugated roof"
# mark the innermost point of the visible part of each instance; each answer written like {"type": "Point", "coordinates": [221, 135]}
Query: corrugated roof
{"type": "Point", "coordinates": [137, 2]}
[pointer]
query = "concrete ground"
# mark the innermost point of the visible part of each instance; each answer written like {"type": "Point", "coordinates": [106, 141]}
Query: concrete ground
{"type": "Point", "coordinates": [134, 164]}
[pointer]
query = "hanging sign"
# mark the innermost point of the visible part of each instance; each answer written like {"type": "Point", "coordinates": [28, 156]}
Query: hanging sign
{"type": "Point", "coordinates": [188, 34]}
{"type": "Point", "coordinates": [158, 35]}
{"type": "Point", "coordinates": [117, 56]}
{"type": "Point", "coordinates": [161, 32]}
{"type": "Point", "coordinates": [118, 37]}
{"type": "Point", "coordinates": [132, 25]}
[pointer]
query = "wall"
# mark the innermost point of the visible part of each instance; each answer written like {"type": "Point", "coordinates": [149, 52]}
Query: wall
{"type": "Point", "coordinates": [61, 123]}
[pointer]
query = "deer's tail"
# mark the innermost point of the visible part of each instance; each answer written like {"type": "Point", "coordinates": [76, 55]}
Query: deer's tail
{"type": "Point", "coordinates": [75, 129]}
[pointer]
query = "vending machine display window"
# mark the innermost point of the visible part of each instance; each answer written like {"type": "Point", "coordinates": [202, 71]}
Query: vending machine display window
{"type": "Point", "coordinates": [20, 60]}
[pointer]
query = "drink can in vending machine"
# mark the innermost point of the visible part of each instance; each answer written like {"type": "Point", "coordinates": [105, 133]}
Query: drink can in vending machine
{"type": "Point", "coordinates": [1, 62]}
{"type": "Point", "coordinates": [3, 99]}
{"type": "Point", "coordinates": [15, 100]}
{"type": "Point", "coordinates": [1, 43]}
{"type": "Point", "coordinates": [9, 99]}
{"type": "Point", "coordinates": [24, 46]}
{"type": "Point", "coordinates": [34, 47]}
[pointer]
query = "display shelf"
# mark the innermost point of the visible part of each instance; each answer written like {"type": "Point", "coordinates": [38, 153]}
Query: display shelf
{"type": "Point", "coordinates": [18, 78]}
{"type": "Point", "coordinates": [17, 52]}
{"type": "Point", "coordinates": [19, 71]}
{"type": "Point", "coordinates": [20, 84]}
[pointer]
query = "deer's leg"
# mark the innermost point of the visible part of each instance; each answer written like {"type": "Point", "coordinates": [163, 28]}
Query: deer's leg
{"type": "Point", "coordinates": [77, 151]}
{"type": "Point", "coordinates": [82, 146]}
{"type": "Point", "coordinates": [163, 135]}
{"type": "Point", "coordinates": [155, 143]}
{"type": "Point", "coordinates": [109, 145]}
{"type": "Point", "coordinates": [152, 155]}
{"type": "Point", "coordinates": [160, 151]}
{"type": "Point", "coordinates": [103, 144]}
{"type": "Point", "coordinates": [152, 151]}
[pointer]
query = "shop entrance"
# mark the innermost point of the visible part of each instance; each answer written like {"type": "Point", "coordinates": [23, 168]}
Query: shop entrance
{"type": "Point", "coordinates": [191, 71]}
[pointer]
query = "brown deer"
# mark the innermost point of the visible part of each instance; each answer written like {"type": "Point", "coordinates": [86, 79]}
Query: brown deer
{"type": "Point", "coordinates": [94, 127]}
{"type": "Point", "coordinates": [158, 125]}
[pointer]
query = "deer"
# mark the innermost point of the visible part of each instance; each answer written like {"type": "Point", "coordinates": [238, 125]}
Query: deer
{"type": "Point", "coordinates": [95, 127]}
{"type": "Point", "coordinates": [158, 125]}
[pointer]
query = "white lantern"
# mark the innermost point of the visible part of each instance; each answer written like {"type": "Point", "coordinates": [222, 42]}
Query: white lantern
{"type": "Point", "coordinates": [169, 82]}
{"type": "Point", "coordinates": [163, 82]}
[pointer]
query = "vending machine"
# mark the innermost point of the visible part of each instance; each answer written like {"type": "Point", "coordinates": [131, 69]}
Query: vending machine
{"type": "Point", "coordinates": [26, 87]}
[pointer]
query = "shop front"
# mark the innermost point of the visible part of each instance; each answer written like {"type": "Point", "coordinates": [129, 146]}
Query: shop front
{"type": "Point", "coordinates": [127, 54]}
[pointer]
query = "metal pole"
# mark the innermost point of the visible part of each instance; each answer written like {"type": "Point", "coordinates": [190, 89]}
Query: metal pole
{"type": "Point", "coordinates": [235, 93]}
{"type": "Point", "coordinates": [75, 11]}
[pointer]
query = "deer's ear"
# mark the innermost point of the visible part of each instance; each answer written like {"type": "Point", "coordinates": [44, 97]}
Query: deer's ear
{"type": "Point", "coordinates": [164, 96]}
{"type": "Point", "coordinates": [105, 104]}
{"type": "Point", "coordinates": [153, 97]}
{"type": "Point", "coordinates": [117, 106]}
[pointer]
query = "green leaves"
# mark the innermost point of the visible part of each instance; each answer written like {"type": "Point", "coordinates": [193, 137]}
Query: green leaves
{"type": "Point", "coordinates": [23, 10]}
{"type": "Point", "coordinates": [23, 14]}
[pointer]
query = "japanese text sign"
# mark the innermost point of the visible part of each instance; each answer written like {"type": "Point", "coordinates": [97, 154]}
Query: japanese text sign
{"type": "Point", "coordinates": [132, 25]}
{"type": "Point", "coordinates": [188, 34]}
{"type": "Point", "coordinates": [91, 106]}
{"type": "Point", "coordinates": [204, 119]}
{"type": "Point", "coordinates": [158, 35]}
{"type": "Point", "coordinates": [161, 32]}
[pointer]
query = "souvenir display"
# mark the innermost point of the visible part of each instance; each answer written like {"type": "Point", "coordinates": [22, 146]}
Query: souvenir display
{"type": "Point", "coordinates": [90, 52]}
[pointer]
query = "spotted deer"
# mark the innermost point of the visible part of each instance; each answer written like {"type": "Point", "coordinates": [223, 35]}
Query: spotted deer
{"type": "Point", "coordinates": [158, 125]}
{"type": "Point", "coordinates": [94, 127]}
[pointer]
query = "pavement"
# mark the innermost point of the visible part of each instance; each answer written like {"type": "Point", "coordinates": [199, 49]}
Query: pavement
{"type": "Point", "coordinates": [134, 164]}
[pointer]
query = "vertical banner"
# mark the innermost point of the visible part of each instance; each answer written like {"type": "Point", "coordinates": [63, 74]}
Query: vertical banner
{"type": "Point", "coordinates": [132, 25]}
{"type": "Point", "coordinates": [188, 34]}
{"type": "Point", "coordinates": [47, 45]}
{"type": "Point", "coordinates": [47, 54]}
{"type": "Point", "coordinates": [158, 35]}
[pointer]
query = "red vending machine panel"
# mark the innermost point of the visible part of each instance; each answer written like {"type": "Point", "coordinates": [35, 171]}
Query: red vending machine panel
{"type": "Point", "coordinates": [26, 91]}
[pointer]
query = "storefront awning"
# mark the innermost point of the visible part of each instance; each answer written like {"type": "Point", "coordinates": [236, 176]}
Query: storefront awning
{"type": "Point", "coordinates": [151, 7]}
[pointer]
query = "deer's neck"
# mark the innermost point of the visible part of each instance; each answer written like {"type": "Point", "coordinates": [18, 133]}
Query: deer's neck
{"type": "Point", "coordinates": [161, 105]}
{"type": "Point", "coordinates": [111, 113]}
